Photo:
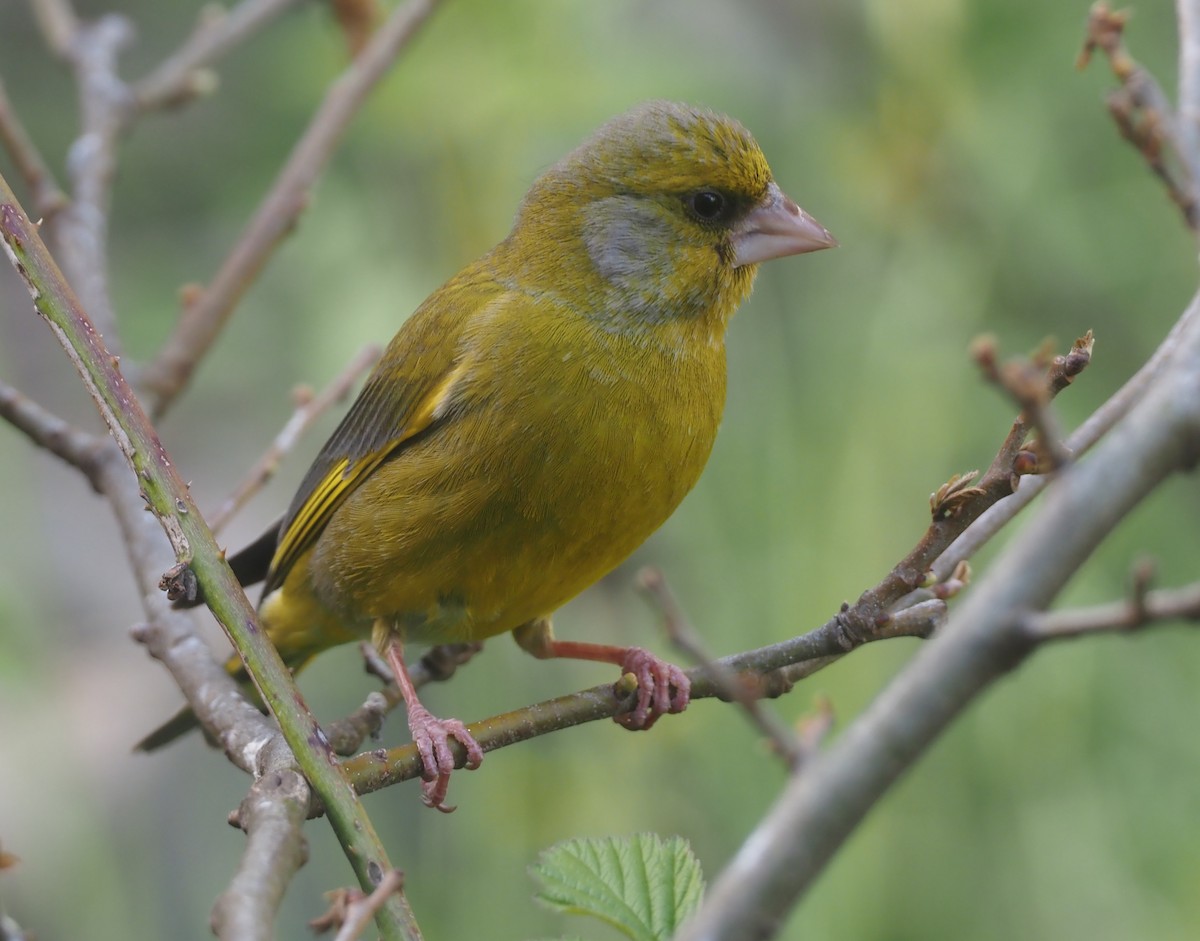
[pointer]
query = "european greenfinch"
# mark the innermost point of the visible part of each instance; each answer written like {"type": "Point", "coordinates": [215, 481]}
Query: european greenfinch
{"type": "Point", "coordinates": [537, 418]}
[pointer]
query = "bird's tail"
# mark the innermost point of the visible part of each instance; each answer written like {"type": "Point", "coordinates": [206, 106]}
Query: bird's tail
{"type": "Point", "coordinates": [185, 720]}
{"type": "Point", "coordinates": [179, 724]}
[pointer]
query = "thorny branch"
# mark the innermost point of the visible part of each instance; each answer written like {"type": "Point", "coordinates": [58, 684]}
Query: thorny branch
{"type": "Point", "coordinates": [108, 107]}
{"type": "Point", "coordinates": [167, 496]}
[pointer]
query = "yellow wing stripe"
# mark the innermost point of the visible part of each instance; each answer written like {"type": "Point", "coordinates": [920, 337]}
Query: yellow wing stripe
{"type": "Point", "coordinates": [343, 479]}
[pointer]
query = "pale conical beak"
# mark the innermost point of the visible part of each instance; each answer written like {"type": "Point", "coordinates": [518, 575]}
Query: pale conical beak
{"type": "Point", "coordinates": [776, 228]}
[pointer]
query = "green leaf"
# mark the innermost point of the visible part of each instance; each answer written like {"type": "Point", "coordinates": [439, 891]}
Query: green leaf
{"type": "Point", "coordinates": [644, 886]}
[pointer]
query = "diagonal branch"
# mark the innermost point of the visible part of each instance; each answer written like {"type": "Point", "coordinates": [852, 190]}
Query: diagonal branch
{"type": "Point", "coordinates": [48, 198]}
{"type": "Point", "coordinates": [208, 311]}
{"type": "Point", "coordinates": [1142, 112]}
{"type": "Point", "coordinates": [307, 412]}
{"type": "Point", "coordinates": [58, 23]}
{"type": "Point", "coordinates": [81, 228]}
{"type": "Point", "coordinates": [761, 673]}
{"type": "Point", "coordinates": [1188, 12]}
{"type": "Point", "coordinates": [47, 430]}
{"type": "Point", "coordinates": [1098, 424]}
{"type": "Point", "coordinates": [959, 503]}
{"type": "Point", "coordinates": [168, 498]}
{"type": "Point", "coordinates": [987, 637]}
{"type": "Point", "coordinates": [272, 815]}
{"type": "Point", "coordinates": [181, 77]}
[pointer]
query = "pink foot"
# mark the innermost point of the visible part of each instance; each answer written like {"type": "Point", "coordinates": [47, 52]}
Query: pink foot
{"type": "Point", "coordinates": [432, 737]}
{"type": "Point", "coordinates": [662, 688]}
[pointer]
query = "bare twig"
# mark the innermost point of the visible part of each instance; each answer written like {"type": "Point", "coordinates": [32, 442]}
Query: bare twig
{"type": "Point", "coordinates": [956, 505]}
{"type": "Point", "coordinates": [168, 498]}
{"type": "Point", "coordinates": [203, 319]}
{"type": "Point", "coordinates": [347, 735]}
{"type": "Point", "coordinates": [1142, 113]}
{"type": "Point", "coordinates": [760, 671]}
{"type": "Point", "coordinates": [679, 629]}
{"type": "Point", "coordinates": [982, 530]}
{"type": "Point", "coordinates": [58, 23]}
{"type": "Point", "coordinates": [350, 910]}
{"type": "Point", "coordinates": [987, 637]}
{"type": "Point", "coordinates": [182, 77]}
{"type": "Point", "coordinates": [813, 728]}
{"type": "Point", "coordinates": [308, 410]}
{"type": "Point", "coordinates": [272, 815]}
{"type": "Point", "coordinates": [360, 911]}
{"type": "Point", "coordinates": [47, 430]}
{"type": "Point", "coordinates": [1179, 604]}
{"type": "Point", "coordinates": [1024, 379]}
{"type": "Point", "coordinates": [918, 618]}
{"type": "Point", "coordinates": [48, 198]}
{"type": "Point", "coordinates": [250, 740]}
{"type": "Point", "coordinates": [81, 229]}
{"type": "Point", "coordinates": [1188, 12]}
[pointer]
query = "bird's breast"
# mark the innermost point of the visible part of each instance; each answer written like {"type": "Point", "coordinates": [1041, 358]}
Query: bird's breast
{"type": "Point", "coordinates": [537, 482]}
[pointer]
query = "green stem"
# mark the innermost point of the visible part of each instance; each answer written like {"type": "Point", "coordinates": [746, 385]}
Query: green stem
{"type": "Point", "coordinates": [167, 496]}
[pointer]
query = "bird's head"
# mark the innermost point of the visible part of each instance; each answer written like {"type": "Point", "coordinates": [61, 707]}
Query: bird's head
{"type": "Point", "coordinates": [667, 210]}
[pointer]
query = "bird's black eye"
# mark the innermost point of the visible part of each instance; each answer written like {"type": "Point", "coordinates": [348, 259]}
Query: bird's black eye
{"type": "Point", "coordinates": [708, 205]}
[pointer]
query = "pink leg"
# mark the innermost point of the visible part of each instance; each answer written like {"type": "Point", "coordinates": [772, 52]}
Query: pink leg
{"type": "Point", "coordinates": [662, 687]}
{"type": "Point", "coordinates": [432, 736]}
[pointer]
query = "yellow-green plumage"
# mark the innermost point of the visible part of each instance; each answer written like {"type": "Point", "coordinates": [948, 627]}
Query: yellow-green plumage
{"type": "Point", "coordinates": [548, 408]}
{"type": "Point", "coordinates": [556, 409]}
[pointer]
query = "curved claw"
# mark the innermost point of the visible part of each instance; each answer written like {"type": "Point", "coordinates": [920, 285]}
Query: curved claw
{"type": "Point", "coordinates": [662, 688]}
{"type": "Point", "coordinates": [432, 737]}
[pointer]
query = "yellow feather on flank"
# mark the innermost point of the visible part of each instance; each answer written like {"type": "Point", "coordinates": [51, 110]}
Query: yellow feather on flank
{"type": "Point", "coordinates": [540, 415]}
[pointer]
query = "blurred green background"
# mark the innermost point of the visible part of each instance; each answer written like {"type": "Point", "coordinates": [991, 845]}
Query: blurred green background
{"type": "Point", "coordinates": [976, 185]}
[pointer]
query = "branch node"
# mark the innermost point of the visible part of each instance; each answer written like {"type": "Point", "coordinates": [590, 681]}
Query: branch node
{"type": "Point", "coordinates": [180, 583]}
{"type": "Point", "coordinates": [950, 498]}
{"type": "Point", "coordinates": [347, 735]}
{"type": "Point", "coordinates": [957, 581]}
